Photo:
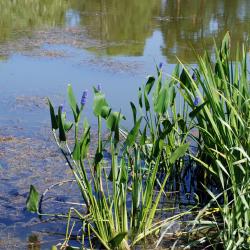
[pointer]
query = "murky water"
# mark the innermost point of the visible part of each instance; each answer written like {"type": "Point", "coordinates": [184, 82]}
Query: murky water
{"type": "Point", "coordinates": [44, 45]}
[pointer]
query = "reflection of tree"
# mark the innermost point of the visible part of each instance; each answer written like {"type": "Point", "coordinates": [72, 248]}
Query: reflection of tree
{"type": "Point", "coordinates": [195, 23]}
{"type": "Point", "coordinates": [25, 15]}
{"type": "Point", "coordinates": [120, 26]}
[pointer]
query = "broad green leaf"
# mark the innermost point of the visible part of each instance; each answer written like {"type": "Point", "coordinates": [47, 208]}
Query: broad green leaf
{"type": "Point", "coordinates": [179, 152]}
{"type": "Point", "coordinates": [131, 138]}
{"type": "Point", "coordinates": [185, 79]}
{"type": "Point", "coordinates": [32, 202]}
{"type": "Point", "coordinates": [176, 73]}
{"type": "Point", "coordinates": [67, 126]}
{"type": "Point", "coordinates": [171, 95]}
{"type": "Point", "coordinates": [113, 120]}
{"type": "Point", "coordinates": [116, 241]}
{"type": "Point", "coordinates": [124, 172]}
{"type": "Point", "coordinates": [105, 111]}
{"type": "Point", "coordinates": [77, 151]}
{"type": "Point", "coordinates": [62, 135]}
{"type": "Point", "coordinates": [149, 84]}
{"type": "Point", "coordinates": [143, 136]}
{"type": "Point", "coordinates": [85, 140]}
{"type": "Point", "coordinates": [158, 147]}
{"type": "Point", "coordinates": [73, 103]}
{"type": "Point", "coordinates": [100, 105]}
{"type": "Point", "coordinates": [161, 101]}
{"type": "Point", "coordinates": [54, 123]}
{"type": "Point", "coordinates": [134, 111]}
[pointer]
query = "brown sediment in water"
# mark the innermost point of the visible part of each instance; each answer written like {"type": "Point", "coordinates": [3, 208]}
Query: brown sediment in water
{"type": "Point", "coordinates": [25, 161]}
{"type": "Point", "coordinates": [74, 37]}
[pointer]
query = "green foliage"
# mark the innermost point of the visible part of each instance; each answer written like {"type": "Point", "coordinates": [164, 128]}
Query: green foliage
{"type": "Point", "coordinates": [122, 194]}
{"type": "Point", "coordinates": [223, 121]}
{"type": "Point", "coordinates": [131, 173]}
{"type": "Point", "coordinates": [179, 152]}
{"type": "Point", "coordinates": [32, 200]}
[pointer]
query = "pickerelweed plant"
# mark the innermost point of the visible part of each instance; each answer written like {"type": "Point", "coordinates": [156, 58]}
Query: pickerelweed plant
{"type": "Point", "coordinates": [165, 121]}
{"type": "Point", "coordinates": [121, 198]}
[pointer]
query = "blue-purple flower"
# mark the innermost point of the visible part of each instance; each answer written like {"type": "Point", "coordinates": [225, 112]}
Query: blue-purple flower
{"type": "Point", "coordinates": [99, 88]}
{"type": "Point", "coordinates": [61, 107]}
{"type": "Point", "coordinates": [160, 65]}
{"type": "Point", "coordinates": [194, 77]}
{"type": "Point", "coordinates": [196, 101]}
{"type": "Point", "coordinates": [84, 97]}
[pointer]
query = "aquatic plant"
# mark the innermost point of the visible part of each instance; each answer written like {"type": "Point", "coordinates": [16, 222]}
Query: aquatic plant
{"type": "Point", "coordinates": [223, 121]}
{"type": "Point", "coordinates": [165, 121]}
{"type": "Point", "coordinates": [208, 107]}
{"type": "Point", "coordinates": [121, 194]}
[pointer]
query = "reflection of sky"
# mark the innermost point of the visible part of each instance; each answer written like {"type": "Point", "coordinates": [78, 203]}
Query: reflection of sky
{"type": "Point", "coordinates": [213, 26]}
{"type": "Point", "coordinates": [154, 44]}
{"type": "Point", "coordinates": [72, 18]}
{"type": "Point", "coordinates": [243, 11]}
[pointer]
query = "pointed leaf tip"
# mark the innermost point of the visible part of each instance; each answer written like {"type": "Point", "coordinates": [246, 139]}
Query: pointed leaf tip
{"type": "Point", "coordinates": [32, 200]}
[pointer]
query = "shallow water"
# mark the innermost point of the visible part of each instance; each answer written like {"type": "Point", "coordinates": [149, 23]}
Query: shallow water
{"type": "Point", "coordinates": [44, 45]}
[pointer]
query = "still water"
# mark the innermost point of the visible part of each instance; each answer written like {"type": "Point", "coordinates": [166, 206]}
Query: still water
{"type": "Point", "coordinates": [46, 44]}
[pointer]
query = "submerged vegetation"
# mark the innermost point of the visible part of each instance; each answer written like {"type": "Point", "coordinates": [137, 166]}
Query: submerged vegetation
{"type": "Point", "coordinates": [190, 129]}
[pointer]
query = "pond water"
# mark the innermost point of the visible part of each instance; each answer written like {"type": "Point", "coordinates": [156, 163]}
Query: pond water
{"type": "Point", "coordinates": [44, 45]}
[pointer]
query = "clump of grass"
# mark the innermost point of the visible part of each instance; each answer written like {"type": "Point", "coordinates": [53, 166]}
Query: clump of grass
{"type": "Point", "coordinates": [223, 121]}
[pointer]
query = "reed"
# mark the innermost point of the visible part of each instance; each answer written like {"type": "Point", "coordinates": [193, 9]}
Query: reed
{"type": "Point", "coordinates": [222, 119]}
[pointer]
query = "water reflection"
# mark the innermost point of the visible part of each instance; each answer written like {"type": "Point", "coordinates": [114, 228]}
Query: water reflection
{"type": "Point", "coordinates": [195, 23]}
{"type": "Point", "coordinates": [20, 17]}
{"type": "Point", "coordinates": [122, 27]}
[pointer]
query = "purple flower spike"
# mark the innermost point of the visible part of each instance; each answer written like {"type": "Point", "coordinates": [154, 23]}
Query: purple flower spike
{"type": "Point", "coordinates": [194, 77]}
{"type": "Point", "coordinates": [160, 65]}
{"type": "Point", "coordinates": [196, 101]}
{"type": "Point", "coordinates": [84, 97]}
{"type": "Point", "coordinates": [99, 88]}
{"type": "Point", "coordinates": [61, 107]}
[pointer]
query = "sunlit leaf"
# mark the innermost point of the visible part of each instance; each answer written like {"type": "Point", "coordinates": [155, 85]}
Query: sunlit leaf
{"type": "Point", "coordinates": [100, 106]}
{"type": "Point", "coordinates": [131, 138]}
{"type": "Point", "coordinates": [116, 241]}
{"type": "Point", "coordinates": [72, 102]}
{"type": "Point", "coordinates": [179, 152]}
{"type": "Point", "coordinates": [32, 200]}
